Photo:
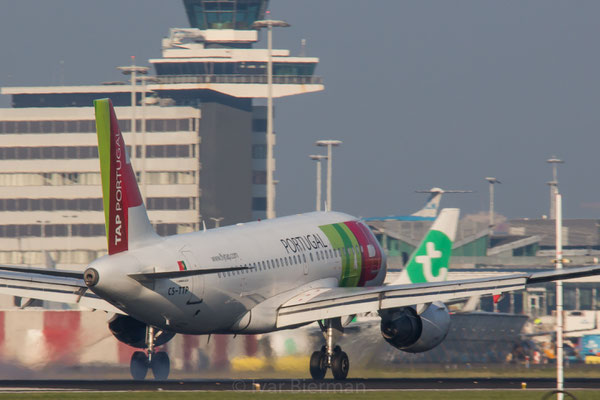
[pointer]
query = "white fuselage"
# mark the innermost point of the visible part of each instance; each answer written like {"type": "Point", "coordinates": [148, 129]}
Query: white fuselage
{"type": "Point", "coordinates": [286, 255]}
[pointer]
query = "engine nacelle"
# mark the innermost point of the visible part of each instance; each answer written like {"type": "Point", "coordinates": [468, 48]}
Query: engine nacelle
{"type": "Point", "coordinates": [133, 332]}
{"type": "Point", "coordinates": [408, 331]}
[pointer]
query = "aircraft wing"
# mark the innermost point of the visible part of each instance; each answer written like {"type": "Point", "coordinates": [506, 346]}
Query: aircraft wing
{"type": "Point", "coordinates": [52, 285]}
{"type": "Point", "coordinates": [325, 303]}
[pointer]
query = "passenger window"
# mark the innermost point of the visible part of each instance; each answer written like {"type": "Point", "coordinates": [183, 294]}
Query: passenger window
{"type": "Point", "coordinates": [304, 257]}
{"type": "Point", "coordinates": [311, 257]}
{"type": "Point", "coordinates": [331, 253]}
{"type": "Point", "coordinates": [277, 262]}
{"type": "Point", "coordinates": [295, 260]}
{"type": "Point", "coordinates": [318, 256]}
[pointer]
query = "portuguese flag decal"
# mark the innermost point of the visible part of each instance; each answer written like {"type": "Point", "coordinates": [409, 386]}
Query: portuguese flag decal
{"type": "Point", "coordinates": [182, 266]}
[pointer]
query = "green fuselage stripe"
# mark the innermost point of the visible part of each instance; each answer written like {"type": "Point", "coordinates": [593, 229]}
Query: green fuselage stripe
{"type": "Point", "coordinates": [354, 259]}
{"type": "Point", "coordinates": [103, 131]}
{"type": "Point", "coordinates": [342, 239]}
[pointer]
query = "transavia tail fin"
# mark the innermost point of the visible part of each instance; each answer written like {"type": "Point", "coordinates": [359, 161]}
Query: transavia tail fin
{"type": "Point", "coordinates": [430, 261]}
{"type": "Point", "coordinates": [126, 220]}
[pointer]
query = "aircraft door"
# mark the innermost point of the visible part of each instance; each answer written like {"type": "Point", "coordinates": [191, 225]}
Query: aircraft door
{"type": "Point", "coordinates": [194, 283]}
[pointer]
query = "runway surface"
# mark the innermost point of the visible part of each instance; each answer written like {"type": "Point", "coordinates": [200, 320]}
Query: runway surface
{"type": "Point", "coordinates": [296, 385]}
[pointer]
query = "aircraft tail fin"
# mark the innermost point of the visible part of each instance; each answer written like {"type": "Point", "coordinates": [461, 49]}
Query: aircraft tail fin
{"type": "Point", "coordinates": [430, 261]}
{"type": "Point", "coordinates": [433, 203]}
{"type": "Point", "coordinates": [126, 219]}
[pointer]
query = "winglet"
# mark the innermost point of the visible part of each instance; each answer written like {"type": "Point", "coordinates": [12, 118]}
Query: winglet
{"type": "Point", "coordinates": [430, 261]}
{"type": "Point", "coordinates": [126, 220]}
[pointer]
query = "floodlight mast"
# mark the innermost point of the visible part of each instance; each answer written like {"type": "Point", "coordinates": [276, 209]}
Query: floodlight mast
{"type": "Point", "coordinates": [554, 161]}
{"type": "Point", "coordinates": [318, 158]}
{"type": "Point", "coordinates": [269, 24]}
{"type": "Point", "coordinates": [559, 302]}
{"type": "Point", "coordinates": [133, 70]}
{"type": "Point", "coordinates": [329, 143]}
{"type": "Point", "coordinates": [492, 181]}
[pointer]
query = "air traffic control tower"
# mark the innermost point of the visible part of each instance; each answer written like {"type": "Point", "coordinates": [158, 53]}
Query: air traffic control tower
{"type": "Point", "coordinates": [200, 139]}
{"type": "Point", "coordinates": [213, 65]}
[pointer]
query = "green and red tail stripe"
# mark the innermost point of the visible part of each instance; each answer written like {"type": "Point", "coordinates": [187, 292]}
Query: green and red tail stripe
{"type": "Point", "coordinates": [182, 266]}
{"type": "Point", "coordinates": [119, 187]}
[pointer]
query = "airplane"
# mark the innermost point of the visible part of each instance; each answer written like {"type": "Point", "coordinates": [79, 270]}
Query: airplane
{"type": "Point", "coordinates": [255, 277]}
{"type": "Point", "coordinates": [429, 211]}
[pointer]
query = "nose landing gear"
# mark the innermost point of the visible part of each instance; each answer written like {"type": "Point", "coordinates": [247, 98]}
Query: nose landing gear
{"type": "Point", "coordinates": [330, 356]}
{"type": "Point", "coordinates": [157, 361]}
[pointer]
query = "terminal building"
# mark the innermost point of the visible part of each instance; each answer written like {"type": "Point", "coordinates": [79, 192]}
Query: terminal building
{"type": "Point", "coordinates": [199, 138]}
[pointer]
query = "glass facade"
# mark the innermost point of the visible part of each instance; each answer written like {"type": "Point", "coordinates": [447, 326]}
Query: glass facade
{"type": "Point", "coordinates": [235, 68]}
{"type": "Point", "coordinates": [224, 14]}
{"type": "Point", "coordinates": [89, 126]}
{"type": "Point", "coordinates": [54, 204]}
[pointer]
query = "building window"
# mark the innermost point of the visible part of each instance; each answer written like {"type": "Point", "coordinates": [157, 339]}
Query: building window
{"type": "Point", "coordinates": [168, 151]}
{"type": "Point", "coordinates": [259, 203]}
{"type": "Point", "coordinates": [169, 203]}
{"type": "Point", "coordinates": [259, 125]}
{"type": "Point", "coordinates": [259, 151]}
{"type": "Point", "coordinates": [259, 177]}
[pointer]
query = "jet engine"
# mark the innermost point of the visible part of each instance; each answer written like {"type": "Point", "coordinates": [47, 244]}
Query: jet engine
{"type": "Point", "coordinates": [133, 332]}
{"type": "Point", "coordinates": [409, 331]}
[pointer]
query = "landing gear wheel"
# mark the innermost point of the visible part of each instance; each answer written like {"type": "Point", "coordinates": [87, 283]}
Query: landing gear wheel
{"type": "Point", "coordinates": [160, 366]}
{"type": "Point", "coordinates": [139, 365]}
{"type": "Point", "coordinates": [318, 365]}
{"type": "Point", "coordinates": [340, 365]}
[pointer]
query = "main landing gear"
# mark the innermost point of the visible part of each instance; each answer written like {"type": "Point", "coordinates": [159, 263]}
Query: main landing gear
{"type": "Point", "coordinates": [330, 356]}
{"type": "Point", "coordinates": [157, 361]}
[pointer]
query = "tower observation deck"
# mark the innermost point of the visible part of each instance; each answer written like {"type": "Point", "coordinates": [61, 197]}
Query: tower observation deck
{"type": "Point", "coordinates": [216, 55]}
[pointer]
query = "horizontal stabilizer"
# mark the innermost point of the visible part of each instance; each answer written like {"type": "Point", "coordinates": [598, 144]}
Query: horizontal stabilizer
{"type": "Point", "coordinates": [43, 271]}
{"type": "Point", "coordinates": [150, 276]}
{"type": "Point", "coordinates": [51, 285]}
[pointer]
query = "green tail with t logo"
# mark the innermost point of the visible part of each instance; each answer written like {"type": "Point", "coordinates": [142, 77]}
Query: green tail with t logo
{"type": "Point", "coordinates": [430, 261]}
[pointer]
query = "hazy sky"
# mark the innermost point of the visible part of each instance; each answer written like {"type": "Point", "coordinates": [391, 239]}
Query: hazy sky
{"type": "Point", "coordinates": [423, 93]}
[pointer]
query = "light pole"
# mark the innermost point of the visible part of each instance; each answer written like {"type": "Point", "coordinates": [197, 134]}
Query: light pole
{"type": "Point", "coordinates": [329, 143]}
{"type": "Point", "coordinates": [554, 161]}
{"type": "Point", "coordinates": [144, 80]}
{"type": "Point", "coordinates": [492, 181]}
{"type": "Point", "coordinates": [559, 301]}
{"type": "Point", "coordinates": [318, 158]}
{"type": "Point", "coordinates": [269, 24]}
{"type": "Point", "coordinates": [133, 70]}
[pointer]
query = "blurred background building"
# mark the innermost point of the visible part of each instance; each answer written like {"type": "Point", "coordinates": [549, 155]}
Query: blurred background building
{"type": "Point", "coordinates": [199, 137]}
